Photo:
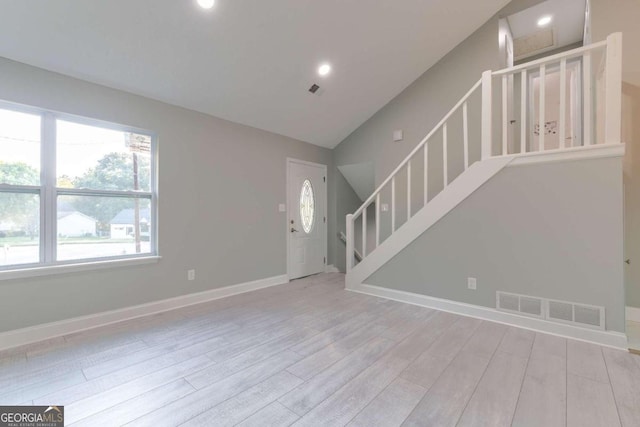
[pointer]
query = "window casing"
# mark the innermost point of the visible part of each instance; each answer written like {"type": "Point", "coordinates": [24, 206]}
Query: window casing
{"type": "Point", "coordinates": [74, 190]}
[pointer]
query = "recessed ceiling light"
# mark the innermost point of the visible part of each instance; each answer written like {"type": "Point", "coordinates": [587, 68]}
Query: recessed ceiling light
{"type": "Point", "coordinates": [544, 21]}
{"type": "Point", "coordinates": [206, 4]}
{"type": "Point", "coordinates": [324, 69]}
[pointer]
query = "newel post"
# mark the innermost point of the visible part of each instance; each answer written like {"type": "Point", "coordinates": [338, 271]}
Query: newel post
{"type": "Point", "coordinates": [350, 241]}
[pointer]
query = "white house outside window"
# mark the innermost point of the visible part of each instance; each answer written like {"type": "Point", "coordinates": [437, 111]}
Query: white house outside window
{"type": "Point", "coordinates": [73, 190]}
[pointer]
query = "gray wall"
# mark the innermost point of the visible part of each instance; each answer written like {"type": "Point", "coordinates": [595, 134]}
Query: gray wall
{"type": "Point", "coordinates": [609, 16]}
{"type": "Point", "coordinates": [220, 185]}
{"type": "Point", "coordinates": [418, 109]}
{"type": "Point", "coordinates": [421, 105]}
{"type": "Point", "coordinates": [549, 230]}
{"type": "Point", "coordinates": [347, 202]}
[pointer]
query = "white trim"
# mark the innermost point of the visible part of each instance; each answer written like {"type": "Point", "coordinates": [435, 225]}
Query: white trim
{"type": "Point", "coordinates": [633, 314]}
{"type": "Point", "coordinates": [330, 268]}
{"type": "Point", "coordinates": [569, 154]}
{"type": "Point", "coordinates": [606, 338]}
{"type": "Point", "coordinates": [37, 333]}
{"type": "Point", "coordinates": [76, 267]}
{"type": "Point", "coordinates": [325, 213]}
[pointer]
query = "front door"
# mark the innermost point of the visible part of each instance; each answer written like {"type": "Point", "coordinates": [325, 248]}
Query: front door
{"type": "Point", "coordinates": [306, 218]}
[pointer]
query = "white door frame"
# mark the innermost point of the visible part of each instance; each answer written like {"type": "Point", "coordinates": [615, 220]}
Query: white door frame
{"type": "Point", "coordinates": [326, 203]}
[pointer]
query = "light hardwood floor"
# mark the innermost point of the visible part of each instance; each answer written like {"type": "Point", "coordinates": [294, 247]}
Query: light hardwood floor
{"type": "Point", "coordinates": [308, 353]}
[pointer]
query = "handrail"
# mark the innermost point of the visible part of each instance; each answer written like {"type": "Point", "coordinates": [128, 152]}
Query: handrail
{"type": "Point", "coordinates": [356, 253]}
{"type": "Point", "coordinates": [610, 79]}
{"type": "Point", "coordinates": [550, 59]}
{"type": "Point", "coordinates": [417, 148]}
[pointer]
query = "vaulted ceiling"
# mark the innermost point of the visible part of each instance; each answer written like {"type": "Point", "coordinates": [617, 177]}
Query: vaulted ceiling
{"type": "Point", "coordinates": [248, 61]}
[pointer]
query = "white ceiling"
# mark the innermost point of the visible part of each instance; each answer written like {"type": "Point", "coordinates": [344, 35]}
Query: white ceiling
{"type": "Point", "coordinates": [249, 61]}
{"type": "Point", "coordinates": [568, 21]}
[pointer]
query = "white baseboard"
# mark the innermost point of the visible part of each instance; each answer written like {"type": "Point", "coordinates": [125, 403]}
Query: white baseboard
{"type": "Point", "coordinates": [606, 338]}
{"type": "Point", "coordinates": [46, 331]}
{"type": "Point", "coordinates": [633, 314]}
{"type": "Point", "coordinates": [331, 269]}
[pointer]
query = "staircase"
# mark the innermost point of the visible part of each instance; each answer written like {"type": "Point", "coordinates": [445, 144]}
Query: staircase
{"type": "Point", "coordinates": [476, 140]}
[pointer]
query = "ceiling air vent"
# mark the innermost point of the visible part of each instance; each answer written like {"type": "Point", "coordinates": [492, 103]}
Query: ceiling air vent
{"type": "Point", "coordinates": [588, 316]}
{"type": "Point", "coordinates": [314, 88]}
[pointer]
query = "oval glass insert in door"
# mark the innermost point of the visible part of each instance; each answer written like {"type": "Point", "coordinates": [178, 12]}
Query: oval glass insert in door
{"type": "Point", "coordinates": [307, 206]}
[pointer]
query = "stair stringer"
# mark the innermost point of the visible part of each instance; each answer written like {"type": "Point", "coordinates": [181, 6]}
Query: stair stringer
{"type": "Point", "coordinates": [461, 188]}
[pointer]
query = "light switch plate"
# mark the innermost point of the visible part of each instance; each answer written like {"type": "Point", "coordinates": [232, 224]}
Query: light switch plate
{"type": "Point", "coordinates": [282, 207]}
{"type": "Point", "coordinates": [384, 207]}
{"type": "Point", "coordinates": [398, 135]}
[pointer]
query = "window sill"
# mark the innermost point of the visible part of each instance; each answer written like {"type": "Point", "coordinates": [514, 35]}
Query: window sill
{"type": "Point", "coordinates": [74, 268]}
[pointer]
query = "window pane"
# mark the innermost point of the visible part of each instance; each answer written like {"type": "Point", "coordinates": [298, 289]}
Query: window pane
{"type": "Point", "coordinates": [95, 227]}
{"type": "Point", "coordinates": [307, 202]}
{"type": "Point", "coordinates": [19, 148]}
{"type": "Point", "coordinates": [102, 159]}
{"type": "Point", "coordinates": [19, 228]}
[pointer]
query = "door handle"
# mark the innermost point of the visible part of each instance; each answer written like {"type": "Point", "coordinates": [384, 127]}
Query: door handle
{"type": "Point", "coordinates": [293, 230]}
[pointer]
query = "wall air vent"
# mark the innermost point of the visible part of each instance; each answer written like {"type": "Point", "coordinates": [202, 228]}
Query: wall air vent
{"type": "Point", "coordinates": [520, 304]}
{"type": "Point", "coordinates": [531, 306]}
{"type": "Point", "coordinates": [588, 316]}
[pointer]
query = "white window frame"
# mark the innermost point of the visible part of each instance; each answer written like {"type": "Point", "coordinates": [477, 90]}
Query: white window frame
{"type": "Point", "coordinates": [49, 193]}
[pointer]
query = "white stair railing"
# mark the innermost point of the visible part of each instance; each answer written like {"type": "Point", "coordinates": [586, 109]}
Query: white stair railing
{"type": "Point", "coordinates": [602, 118]}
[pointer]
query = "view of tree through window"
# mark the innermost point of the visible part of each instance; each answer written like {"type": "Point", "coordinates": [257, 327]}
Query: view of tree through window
{"type": "Point", "coordinates": [103, 191]}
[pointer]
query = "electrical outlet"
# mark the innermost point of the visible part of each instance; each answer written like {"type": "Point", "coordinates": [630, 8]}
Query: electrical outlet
{"type": "Point", "coordinates": [191, 275]}
{"type": "Point", "coordinates": [472, 283]}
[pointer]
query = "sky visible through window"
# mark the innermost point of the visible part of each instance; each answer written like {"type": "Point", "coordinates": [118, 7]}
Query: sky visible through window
{"type": "Point", "coordinates": [20, 138]}
{"type": "Point", "coordinates": [78, 147]}
{"type": "Point", "coordinates": [81, 145]}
